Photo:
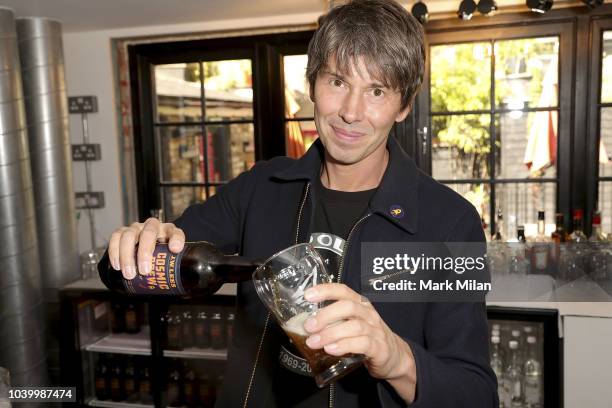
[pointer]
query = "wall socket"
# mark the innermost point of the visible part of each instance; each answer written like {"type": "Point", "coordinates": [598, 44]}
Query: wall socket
{"type": "Point", "coordinates": [82, 104]}
{"type": "Point", "coordinates": [89, 152]}
{"type": "Point", "coordinates": [85, 200]}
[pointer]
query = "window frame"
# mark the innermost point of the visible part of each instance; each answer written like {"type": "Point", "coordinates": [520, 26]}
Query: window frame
{"type": "Point", "coordinates": [453, 32]}
{"type": "Point", "coordinates": [593, 122]}
{"type": "Point", "coordinates": [268, 101]}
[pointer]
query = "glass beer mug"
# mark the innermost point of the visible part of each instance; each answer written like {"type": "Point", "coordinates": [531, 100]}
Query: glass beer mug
{"type": "Point", "coordinates": [280, 282]}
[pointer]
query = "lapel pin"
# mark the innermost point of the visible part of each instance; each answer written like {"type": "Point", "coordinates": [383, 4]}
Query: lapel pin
{"type": "Point", "coordinates": [396, 211]}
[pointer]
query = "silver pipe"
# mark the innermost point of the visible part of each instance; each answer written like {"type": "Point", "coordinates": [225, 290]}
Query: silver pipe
{"type": "Point", "coordinates": [40, 50]}
{"type": "Point", "coordinates": [21, 320]}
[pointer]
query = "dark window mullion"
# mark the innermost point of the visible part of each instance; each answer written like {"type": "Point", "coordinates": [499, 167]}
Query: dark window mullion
{"type": "Point", "coordinates": [205, 122]}
{"type": "Point", "coordinates": [493, 148]}
{"type": "Point", "coordinates": [306, 119]}
{"type": "Point", "coordinates": [500, 181]}
{"type": "Point", "coordinates": [495, 110]}
{"type": "Point", "coordinates": [204, 130]}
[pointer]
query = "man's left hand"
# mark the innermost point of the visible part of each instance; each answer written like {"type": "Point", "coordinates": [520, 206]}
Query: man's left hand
{"type": "Point", "coordinates": [352, 325]}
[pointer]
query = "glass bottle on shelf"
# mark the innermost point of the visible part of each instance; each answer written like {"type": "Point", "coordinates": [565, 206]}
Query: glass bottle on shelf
{"type": "Point", "coordinates": [597, 235]}
{"type": "Point", "coordinates": [499, 225]}
{"type": "Point", "coordinates": [205, 392]}
{"type": "Point", "coordinates": [187, 329]}
{"type": "Point", "coordinates": [519, 264]}
{"type": "Point", "coordinates": [217, 332]}
{"type": "Point", "coordinates": [117, 317]}
{"type": "Point", "coordinates": [598, 254]}
{"type": "Point", "coordinates": [190, 387]}
{"type": "Point", "coordinates": [559, 235]}
{"type": "Point", "coordinates": [130, 381]}
{"type": "Point", "coordinates": [173, 395]}
{"type": "Point", "coordinates": [132, 318]}
{"type": "Point", "coordinates": [144, 386]}
{"type": "Point", "coordinates": [229, 324]}
{"type": "Point", "coordinates": [174, 331]}
{"type": "Point", "coordinates": [497, 365]}
{"type": "Point", "coordinates": [539, 251]}
{"type": "Point", "coordinates": [202, 330]}
{"type": "Point", "coordinates": [117, 381]}
{"type": "Point", "coordinates": [514, 377]}
{"type": "Point", "coordinates": [516, 336]}
{"type": "Point", "coordinates": [533, 375]}
{"type": "Point", "coordinates": [578, 234]}
{"type": "Point", "coordinates": [575, 263]}
{"type": "Point", "coordinates": [102, 378]}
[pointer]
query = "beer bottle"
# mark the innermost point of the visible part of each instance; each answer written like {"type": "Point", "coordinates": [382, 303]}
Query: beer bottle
{"type": "Point", "coordinates": [174, 331]}
{"type": "Point", "coordinates": [229, 325]}
{"type": "Point", "coordinates": [217, 332]}
{"type": "Point", "coordinates": [102, 381]}
{"type": "Point", "coordinates": [190, 387]}
{"type": "Point", "coordinates": [199, 269]}
{"type": "Point", "coordinates": [117, 389]}
{"type": "Point", "coordinates": [187, 329]}
{"type": "Point", "coordinates": [173, 396]}
{"type": "Point", "coordinates": [202, 330]}
{"type": "Point", "coordinates": [130, 382]}
{"type": "Point", "coordinates": [117, 317]}
{"type": "Point", "coordinates": [132, 318]}
{"type": "Point", "coordinates": [145, 384]}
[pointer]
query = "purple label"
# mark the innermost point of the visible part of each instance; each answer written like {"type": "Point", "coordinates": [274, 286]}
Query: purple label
{"type": "Point", "coordinates": [165, 277]}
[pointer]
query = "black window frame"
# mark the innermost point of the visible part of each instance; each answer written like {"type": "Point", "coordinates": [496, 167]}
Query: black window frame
{"type": "Point", "coordinates": [598, 25]}
{"type": "Point", "coordinates": [516, 26]}
{"type": "Point", "coordinates": [264, 50]}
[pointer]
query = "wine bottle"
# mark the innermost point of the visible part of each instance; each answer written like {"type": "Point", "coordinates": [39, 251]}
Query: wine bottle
{"type": "Point", "coordinates": [199, 269]}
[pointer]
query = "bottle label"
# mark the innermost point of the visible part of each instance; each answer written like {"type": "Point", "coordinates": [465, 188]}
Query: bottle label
{"type": "Point", "coordinates": [165, 277]}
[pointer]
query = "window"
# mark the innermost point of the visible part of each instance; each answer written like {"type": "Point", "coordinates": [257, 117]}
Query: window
{"type": "Point", "coordinates": [300, 130]}
{"type": "Point", "coordinates": [203, 127]}
{"type": "Point", "coordinates": [493, 110]}
{"type": "Point", "coordinates": [206, 110]}
{"type": "Point", "coordinates": [603, 107]}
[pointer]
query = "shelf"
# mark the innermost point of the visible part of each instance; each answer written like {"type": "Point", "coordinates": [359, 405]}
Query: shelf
{"type": "Point", "coordinates": [206, 354]}
{"type": "Point", "coordinates": [120, 343]}
{"type": "Point", "coordinates": [98, 403]}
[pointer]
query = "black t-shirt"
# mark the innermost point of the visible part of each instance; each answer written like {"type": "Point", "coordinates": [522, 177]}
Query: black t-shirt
{"type": "Point", "coordinates": [335, 214]}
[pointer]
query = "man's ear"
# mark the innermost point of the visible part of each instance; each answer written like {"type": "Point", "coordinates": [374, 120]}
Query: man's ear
{"type": "Point", "coordinates": [403, 113]}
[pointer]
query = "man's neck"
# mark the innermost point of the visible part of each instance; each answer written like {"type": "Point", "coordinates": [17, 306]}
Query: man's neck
{"type": "Point", "coordinates": [364, 175]}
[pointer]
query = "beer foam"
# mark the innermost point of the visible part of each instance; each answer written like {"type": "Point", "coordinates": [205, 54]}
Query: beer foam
{"type": "Point", "coordinates": [296, 324]}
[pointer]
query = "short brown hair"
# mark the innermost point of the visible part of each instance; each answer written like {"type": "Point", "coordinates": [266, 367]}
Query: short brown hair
{"type": "Point", "coordinates": [383, 33]}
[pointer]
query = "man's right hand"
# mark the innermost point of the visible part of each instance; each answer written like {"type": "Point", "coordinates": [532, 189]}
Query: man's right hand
{"type": "Point", "coordinates": [124, 240]}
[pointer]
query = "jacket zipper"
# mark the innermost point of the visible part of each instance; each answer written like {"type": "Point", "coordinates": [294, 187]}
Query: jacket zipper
{"type": "Point", "coordinates": [265, 329]}
{"type": "Point", "coordinates": [332, 388]}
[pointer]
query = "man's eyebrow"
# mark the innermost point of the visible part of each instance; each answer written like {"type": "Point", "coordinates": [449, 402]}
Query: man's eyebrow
{"type": "Point", "coordinates": [339, 76]}
{"type": "Point", "coordinates": [335, 74]}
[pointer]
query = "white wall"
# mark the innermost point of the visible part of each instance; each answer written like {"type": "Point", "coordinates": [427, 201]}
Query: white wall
{"type": "Point", "coordinates": [90, 71]}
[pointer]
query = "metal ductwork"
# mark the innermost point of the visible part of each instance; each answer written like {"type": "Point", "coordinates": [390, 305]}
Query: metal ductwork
{"type": "Point", "coordinates": [44, 88]}
{"type": "Point", "coordinates": [21, 304]}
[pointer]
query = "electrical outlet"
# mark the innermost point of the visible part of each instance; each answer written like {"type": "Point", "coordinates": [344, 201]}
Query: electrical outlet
{"type": "Point", "coordinates": [82, 104]}
{"type": "Point", "coordinates": [89, 152]}
{"type": "Point", "coordinates": [85, 200]}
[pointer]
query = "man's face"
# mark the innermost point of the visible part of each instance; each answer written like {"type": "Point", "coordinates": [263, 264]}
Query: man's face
{"type": "Point", "coordinates": [354, 113]}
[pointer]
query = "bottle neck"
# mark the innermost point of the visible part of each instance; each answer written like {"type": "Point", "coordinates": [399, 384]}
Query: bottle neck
{"type": "Point", "coordinates": [578, 224]}
{"type": "Point", "coordinates": [237, 268]}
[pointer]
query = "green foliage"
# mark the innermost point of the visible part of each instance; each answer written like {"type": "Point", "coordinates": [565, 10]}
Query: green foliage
{"type": "Point", "coordinates": [461, 81]}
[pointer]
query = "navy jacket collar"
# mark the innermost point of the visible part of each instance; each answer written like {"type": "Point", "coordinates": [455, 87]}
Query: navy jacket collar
{"type": "Point", "coordinates": [396, 198]}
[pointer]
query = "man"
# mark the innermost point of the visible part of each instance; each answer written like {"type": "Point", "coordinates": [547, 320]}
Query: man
{"type": "Point", "coordinates": [355, 184]}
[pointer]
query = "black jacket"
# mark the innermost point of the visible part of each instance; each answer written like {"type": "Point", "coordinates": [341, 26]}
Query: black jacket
{"type": "Point", "coordinates": [270, 208]}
